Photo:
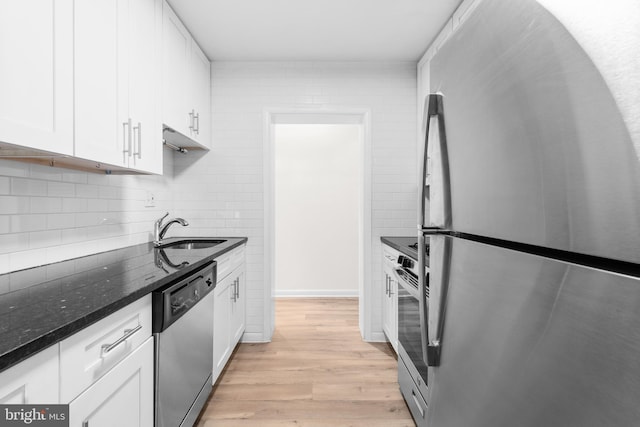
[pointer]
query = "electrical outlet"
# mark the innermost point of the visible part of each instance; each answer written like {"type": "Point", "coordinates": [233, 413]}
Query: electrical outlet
{"type": "Point", "coordinates": [150, 201]}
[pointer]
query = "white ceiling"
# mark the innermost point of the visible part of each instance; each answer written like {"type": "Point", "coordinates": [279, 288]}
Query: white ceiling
{"type": "Point", "coordinates": [314, 30]}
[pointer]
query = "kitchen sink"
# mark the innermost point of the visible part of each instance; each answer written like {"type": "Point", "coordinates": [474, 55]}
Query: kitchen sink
{"type": "Point", "coordinates": [192, 244]}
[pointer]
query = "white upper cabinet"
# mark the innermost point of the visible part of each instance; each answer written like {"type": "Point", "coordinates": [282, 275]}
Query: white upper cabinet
{"type": "Point", "coordinates": [115, 76]}
{"type": "Point", "coordinates": [200, 80]}
{"type": "Point", "coordinates": [176, 45]}
{"type": "Point", "coordinates": [145, 24]}
{"type": "Point", "coordinates": [102, 127]}
{"type": "Point", "coordinates": [186, 83]}
{"type": "Point", "coordinates": [36, 74]}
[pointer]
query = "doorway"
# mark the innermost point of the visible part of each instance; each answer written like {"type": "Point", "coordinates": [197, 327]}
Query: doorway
{"type": "Point", "coordinates": [318, 208]}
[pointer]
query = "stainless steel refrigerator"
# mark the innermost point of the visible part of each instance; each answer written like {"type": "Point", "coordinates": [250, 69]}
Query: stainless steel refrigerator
{"type": "Point", "coordinates": [531, 207]}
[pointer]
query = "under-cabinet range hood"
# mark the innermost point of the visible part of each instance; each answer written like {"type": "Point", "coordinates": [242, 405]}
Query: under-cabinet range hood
{"type": "Point", "coordinates": [180, 142]}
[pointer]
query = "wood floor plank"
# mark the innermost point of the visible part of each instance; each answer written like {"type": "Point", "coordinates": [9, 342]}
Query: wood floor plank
{"type": "Point", "coordinates": [327, 422]}
{"type": "Point", "coordinates": [316, 372]}
{"type": "Point", "coordinates": [263, 391]}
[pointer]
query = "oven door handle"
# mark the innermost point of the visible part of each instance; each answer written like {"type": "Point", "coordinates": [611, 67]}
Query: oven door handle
{"type": "Point", "coordinates": [412, 290]}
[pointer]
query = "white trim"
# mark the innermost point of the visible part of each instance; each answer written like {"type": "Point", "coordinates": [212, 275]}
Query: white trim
{"type": "Point", "coordinates": [318, 293]}
{"type": "Point", "coordinates": [253, 337]}
{"type": "Point", "coordinates": [311, 115]}
{"type": "Point", "coordinates": [377, 337]}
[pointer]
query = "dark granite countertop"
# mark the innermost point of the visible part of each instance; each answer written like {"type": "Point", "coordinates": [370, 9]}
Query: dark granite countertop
{"type": "Point", "coordinates": [41, 306]}
{"type": "Point", "coordinates": [402, 244]}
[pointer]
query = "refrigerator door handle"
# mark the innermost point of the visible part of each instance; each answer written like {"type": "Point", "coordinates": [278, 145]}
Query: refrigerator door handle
{"type": "Point", "coordinates": [440, 255]}
{"type": "Point", "coordinates": [422, 295]}
{"type": "Point", "coordinates": [434, 108]}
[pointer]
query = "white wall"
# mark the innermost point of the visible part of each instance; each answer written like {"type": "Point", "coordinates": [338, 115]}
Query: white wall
{"type": "Point", "coordinates": [226, 186]}
{"type": "Point", "coordinates": [317, 201]}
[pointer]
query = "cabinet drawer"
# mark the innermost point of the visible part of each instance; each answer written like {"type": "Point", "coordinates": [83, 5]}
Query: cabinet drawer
{"type": "Point", "coordinates": [123, 397]}
{"type": "Point", "coordinates": [229, 262]}
{"type": "Point", "coordinates": [33, 381]}
{"type": "Point", "coordinates": [93, 351]}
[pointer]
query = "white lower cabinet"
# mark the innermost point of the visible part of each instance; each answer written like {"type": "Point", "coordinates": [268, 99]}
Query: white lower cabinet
{"type": "Point", "coordinates": [105, 372]}
{"type": "Point", "coordinates": [34, 381]}
{"type": "Point", "coordinates": [229, 307]}
{"type": "Point", "coordinates": [122, 397]}
{"type": "Point", "coordinates": [221, 331]}
{"type": "Point", "coordinates": [238, 306]}
{"type": "Point", "coordinates": [390, 297]}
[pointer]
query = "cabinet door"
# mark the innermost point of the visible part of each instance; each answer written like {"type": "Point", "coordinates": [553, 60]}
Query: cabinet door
{"type": "Point", "coordinates": [101, 79]}
{"type": "Point", "coordinates": [200, 92]}
{"type": "Point", "coordinates": [393, 314]}
{"type": "Point", "coordinates": [36, 74]}
{"type": "Point", "coordinates": [34, 381]}
{"type": "Point", "coordinates": [145, 21]}
{"type": "Point", "coordinates": [123, 397]}
{"type": "Point", "coordinates": [176, 45]}
{"type": "Point", "coordinates": [221, 327]}
{"type": "Point", "coordinates": [238, 306]}
{"type": "Point", "coordinates": [385, 305]}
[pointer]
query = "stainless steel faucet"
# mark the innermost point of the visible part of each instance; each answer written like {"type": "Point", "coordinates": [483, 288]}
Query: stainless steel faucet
{"type": "Point", "coordinates": [159, 230]}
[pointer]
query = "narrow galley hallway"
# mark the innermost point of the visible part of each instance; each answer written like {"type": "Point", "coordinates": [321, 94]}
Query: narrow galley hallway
{"type": "Point", "coordinates": [317, 372]}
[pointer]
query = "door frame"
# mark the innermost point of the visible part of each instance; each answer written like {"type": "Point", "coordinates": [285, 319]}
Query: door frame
{"type": "Point", "coordinates": [362, 117]}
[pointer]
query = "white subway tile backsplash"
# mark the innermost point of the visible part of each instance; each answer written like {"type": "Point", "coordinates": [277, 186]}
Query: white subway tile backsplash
{"type": "Point", "coordinates": [14, 242]}
{"type": "Point", "coordinates": [75, 177]}
{"type": "Point", "coordinates": [60, 221]}
{"type": "Point", "coordinates": [44, 239]}
{"type": "Point", "coordinates": [60, 189]}
{"type": "Point", "coordinates": [46, 205]}
{"type": "Point", "coordinates": [28, 187]}
{"type": "Point", "coordinates": [5, 185]}
{"type": "Point", "coordinates": [74, 205]}
{"type": "Point", "coordinates": [5, 224]}
{"type": "Point", "coordinates": [14, 205]}
{"type": "Point", "coordinates": [86, 190]}
{"type": "Point", "coordinates": [26, 223]}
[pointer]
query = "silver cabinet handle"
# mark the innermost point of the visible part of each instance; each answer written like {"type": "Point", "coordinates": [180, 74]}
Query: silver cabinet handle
{"type": "Point", "coordinates": [106, 348]}
{"type": "Point", "coordinates": [192, 120]}
{"type": "Point", "coordinates": [386, 284]}
{"type": "Point", "coordinates": [126, 138]}
{"type": "Point", "coordinates": [85, 424]}
{"type": "Point", "coordinates": [138, 130]}
{"type": "Point", "coordinates": [415, 399]}
{"type": "Point", "coordinates": [196, 123]}
{"type": "Point", "coordinates": [390, 292]}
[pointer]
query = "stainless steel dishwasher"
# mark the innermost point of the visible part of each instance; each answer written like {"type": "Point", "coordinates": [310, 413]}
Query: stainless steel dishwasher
{"type": "Point", "coordinates": [183, 330]}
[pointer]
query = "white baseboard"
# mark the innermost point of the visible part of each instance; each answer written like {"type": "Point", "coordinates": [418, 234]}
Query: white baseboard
{"type": "Point", "coordinates": [253, 337]}
{"type": "Point", "coordinates": [320, 293]}
{"type": "Point", "coordinates": [377, 337]}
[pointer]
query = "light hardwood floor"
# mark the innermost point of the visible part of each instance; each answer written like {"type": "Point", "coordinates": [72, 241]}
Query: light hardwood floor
{"type": "Point", "coordinates": [316, 372]}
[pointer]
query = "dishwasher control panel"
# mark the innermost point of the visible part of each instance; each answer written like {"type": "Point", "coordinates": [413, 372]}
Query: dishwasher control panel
{"type": "Point", "coordinates": [173, 301]}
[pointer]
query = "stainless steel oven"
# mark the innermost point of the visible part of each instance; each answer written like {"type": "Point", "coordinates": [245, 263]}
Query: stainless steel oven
{"type": "Point", "coordinates": [412, 337]}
